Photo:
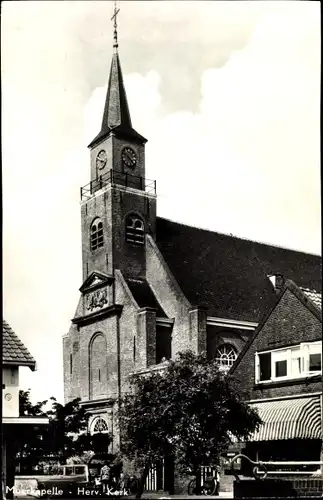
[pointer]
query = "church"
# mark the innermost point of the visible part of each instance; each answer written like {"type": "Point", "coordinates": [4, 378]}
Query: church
{"type": "Point", "coordinates": [153, 287]}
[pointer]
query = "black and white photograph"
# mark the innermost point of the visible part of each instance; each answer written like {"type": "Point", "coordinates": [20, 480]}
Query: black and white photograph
{"type": "Point", "coordinates": [162, 270]}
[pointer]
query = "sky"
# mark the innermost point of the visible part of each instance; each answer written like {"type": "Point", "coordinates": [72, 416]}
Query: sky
{"type": "Point", "coordinates": [228, 95]}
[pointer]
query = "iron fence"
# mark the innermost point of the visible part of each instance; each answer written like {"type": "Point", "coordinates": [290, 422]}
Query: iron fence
{"type": "Point", "coordinates": [120, 178]}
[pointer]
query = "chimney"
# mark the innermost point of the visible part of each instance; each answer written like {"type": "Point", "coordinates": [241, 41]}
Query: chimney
{"type": "Point", "coordinates": [278, 281]}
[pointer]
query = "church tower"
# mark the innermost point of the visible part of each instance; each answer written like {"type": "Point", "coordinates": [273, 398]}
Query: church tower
{"type": "Point", "coordinates": [117, 208]}
{"type": "Point", "coordinates": [118, 211]}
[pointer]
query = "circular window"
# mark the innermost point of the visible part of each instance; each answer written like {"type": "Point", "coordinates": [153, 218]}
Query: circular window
{"type": "Point", "coordinates": [100, 425]}
{"type": "Point", "coordinates": [225, 356]}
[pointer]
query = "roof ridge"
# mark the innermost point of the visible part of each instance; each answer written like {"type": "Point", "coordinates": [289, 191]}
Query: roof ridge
{"type": "Point", "coordinates": [300, 294]}
{"type": "Point", "coordinates": [310, 290]}
{"type": "Point", "coordinates": [230, 235]}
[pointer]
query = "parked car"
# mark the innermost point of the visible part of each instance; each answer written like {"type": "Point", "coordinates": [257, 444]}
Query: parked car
{"type": "Point", "coordinates": [70, 480]}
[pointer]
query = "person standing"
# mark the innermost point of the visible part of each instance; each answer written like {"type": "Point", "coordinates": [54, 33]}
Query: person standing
{"type": "Point", "coordinates": [105, 477]}
{"type": "Point", "coordinates": [217, 479]}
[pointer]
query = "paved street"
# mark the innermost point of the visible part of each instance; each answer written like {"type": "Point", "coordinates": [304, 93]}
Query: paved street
{"type": "Point", "coordinates": [163, 496]}
{"type": "Point", "coordinates": [145, 496]}
{"type": "Point", "coordinates": [151, 496]}
{"type": "Point", "coordinates": [22, 486]}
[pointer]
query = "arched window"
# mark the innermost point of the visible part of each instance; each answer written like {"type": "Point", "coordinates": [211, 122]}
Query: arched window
{"type": "Point", "coordinates": [99, 425]}
{"type": "Point", "coordinates": [98, 366]}
{"type": "Point", "coordinates": [225, 356]}
{"type": "Point", "coordinates": [96, 236]}
{"type": "Point", "coordinates": [135, 230]}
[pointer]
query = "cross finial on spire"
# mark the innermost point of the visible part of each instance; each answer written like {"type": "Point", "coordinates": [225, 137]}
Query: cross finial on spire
{"type": "Point", "coordinates": [115, 33]}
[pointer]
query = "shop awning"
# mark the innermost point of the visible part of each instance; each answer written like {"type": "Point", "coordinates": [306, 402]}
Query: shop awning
{"type": "Point", "coordinates": [289, 419]}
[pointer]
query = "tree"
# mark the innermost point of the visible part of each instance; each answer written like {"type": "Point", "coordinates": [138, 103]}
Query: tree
{"type": "Point", "coordinates": [66, 434]}
{"type": "Point", "coordinates": [190, 411]}
{"type": "Point", "coordinates": [26, 407]}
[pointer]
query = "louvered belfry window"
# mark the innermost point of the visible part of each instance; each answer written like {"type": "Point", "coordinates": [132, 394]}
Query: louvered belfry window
{"type": "Point", "coordinates": [135, 232]}
{"type": "Point", "coordinates": [96, 234]}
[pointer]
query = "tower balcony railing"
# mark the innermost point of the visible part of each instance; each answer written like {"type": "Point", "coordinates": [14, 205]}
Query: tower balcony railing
{"type": "Point", "coordinates": [120, 178]}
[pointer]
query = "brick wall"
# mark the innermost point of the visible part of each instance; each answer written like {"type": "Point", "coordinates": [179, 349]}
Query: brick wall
{"type": "Point", "coordinates": [170, 297]}
{"type": "Point", "coordinates": [108, 327]}
{"type": "Point", "coordinates": [77, 384]}
{"type": "Point", "coordinates": [127, 329]}
{"type": "Point", "coordinates": [66, 369]}
{"type": "Point", "coordinates": [118, 145]}
{"type": "Point", "coordinates": [101, 259]}
{"type": "Point", "coordinates": [289, 323]}
{"type": "Point", "coordinates": [107, 146]}
{"type": "Point", "coordinates": [113, 147]}
{"type": "Point", "coordinates": [129, 258]}
{"type": "Point", "coordinates": [112, 205]}
{"type": "Point", "coordinates": [146, 335]}
{"type": "Point", "coordinates": [197, 319]}
{"type": "Point", "coordinates": [217, 336]}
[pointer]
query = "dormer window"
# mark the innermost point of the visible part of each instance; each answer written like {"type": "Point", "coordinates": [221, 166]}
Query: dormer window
{"type": "Point", "coordinates": [293, 362]}
{"type": "Point", "coordinates": [96, 237]}
{"type": "Point", "coordinates": [135, 231]}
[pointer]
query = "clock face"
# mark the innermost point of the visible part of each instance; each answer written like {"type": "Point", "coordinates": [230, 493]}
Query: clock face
{"type": "Point", "coordinates": [129, 157]}
{"type": "Point", "coordinates": [101, 159]}
{"type": "Point", "coordinates": [8, 396]}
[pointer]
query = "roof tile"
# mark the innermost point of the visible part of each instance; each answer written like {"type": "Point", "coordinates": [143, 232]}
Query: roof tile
{"type": "Point", "coordinates": [229, 274]}
{"type": "Point", "coordinates": [314, 296]}
{"type": "Point", "coordinates": [13, 350]}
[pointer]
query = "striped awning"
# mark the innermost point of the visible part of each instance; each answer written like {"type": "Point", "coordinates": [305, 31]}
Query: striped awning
{"type": "Point", "coordinates": [289, 419]}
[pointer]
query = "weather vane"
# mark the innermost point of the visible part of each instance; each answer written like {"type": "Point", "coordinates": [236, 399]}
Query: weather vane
{"type": "Point", "coordinates": [114, 18]}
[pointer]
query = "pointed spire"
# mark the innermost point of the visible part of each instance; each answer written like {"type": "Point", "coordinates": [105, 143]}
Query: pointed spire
{"type": "Point", "coordinates": [116, 115]}
{"type": "Point", "coordinates": [116, 110]}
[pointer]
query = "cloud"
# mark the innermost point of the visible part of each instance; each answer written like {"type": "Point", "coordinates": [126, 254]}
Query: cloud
{"type": "Point", "coordinates": [249, 158]}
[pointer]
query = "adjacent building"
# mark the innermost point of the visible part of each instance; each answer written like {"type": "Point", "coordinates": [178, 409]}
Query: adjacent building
{"type": "Point", "coordinates": [14, 355]}
{"type": "Point", "coordinates": [280, 371]}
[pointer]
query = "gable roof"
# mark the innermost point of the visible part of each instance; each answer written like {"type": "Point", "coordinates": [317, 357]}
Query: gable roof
{"type": "Point", "coordinates": [144, 296]}
{"type": "Point", "coordinates": [229, 274]}
{"type": "Point", "coordinates": [14, 351]}
{"type": "Point", "coordinates": [301, 296]}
